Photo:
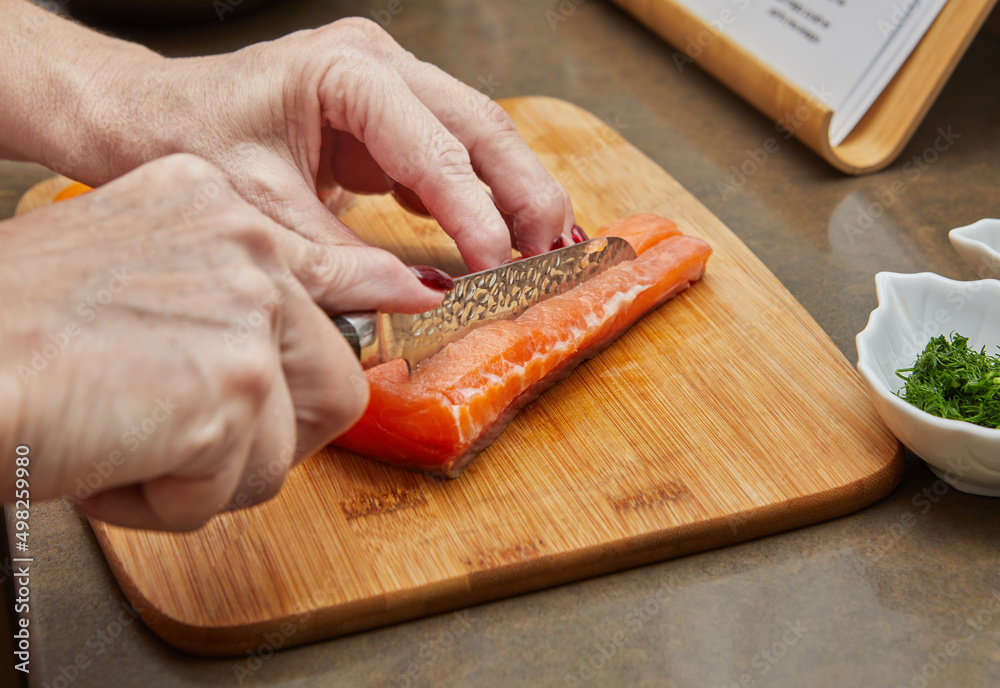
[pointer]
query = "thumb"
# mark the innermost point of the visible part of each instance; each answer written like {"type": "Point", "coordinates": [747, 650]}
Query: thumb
{"type": "Point", "coordinates": [361, 278]}
{"type": "Point", "coordinates": [339, 270]}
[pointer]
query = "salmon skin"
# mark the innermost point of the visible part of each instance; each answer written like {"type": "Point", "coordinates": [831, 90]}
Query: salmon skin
{"type": "Point", "coordinates": [455, 403]}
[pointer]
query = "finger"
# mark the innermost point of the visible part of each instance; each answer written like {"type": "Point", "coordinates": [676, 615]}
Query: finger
{"type": "Point", "coordinates": [352, 166]}
{"type": "Point", "coordinates": [337, 200]}
{"type": "Point", "coordinates": [244, 471]}
{"type": "Point", "coordinates": [122, 506]}
{"type": "Point", "coordinates": [168, 503]}
{"type": "Point", "coordinates": [325, 382]}
{"type": "Point", "coordinates": [353, 278]}
{"type": "Point", "coordinates": [271, 453]}
{"type": "Point", "coordinates": [197, 488]}
{"type": "Point", "coordinates": [277, 188]}
{"type": "Point", "coordinates": [363, 278]}
{"type": "Point", "coordinates": [416, 150]}
{"type": "Point", "coordinates": [346, 164]}
{"type": "Point", "coordinates": [541, 208]}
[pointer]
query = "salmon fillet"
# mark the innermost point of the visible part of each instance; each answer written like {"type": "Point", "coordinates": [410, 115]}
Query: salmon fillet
{"type": "Point", "coordinates": [454, 404]}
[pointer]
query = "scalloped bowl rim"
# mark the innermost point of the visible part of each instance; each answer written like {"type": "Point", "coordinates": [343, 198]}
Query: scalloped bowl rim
{"type": "Point", "coordinates": [868, 369]}
{"type": "Point", "coordinates": [969, 239]}
{"type": "Point", "coordinates": [940, 442]}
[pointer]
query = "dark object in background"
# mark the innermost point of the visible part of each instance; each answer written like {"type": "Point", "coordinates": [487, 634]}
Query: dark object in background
{"type": "Point", "coordinates": [159, 13]}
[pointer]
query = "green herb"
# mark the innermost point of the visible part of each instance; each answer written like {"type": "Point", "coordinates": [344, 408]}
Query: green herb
{"type": "Point", "coordinates": [950, 380]}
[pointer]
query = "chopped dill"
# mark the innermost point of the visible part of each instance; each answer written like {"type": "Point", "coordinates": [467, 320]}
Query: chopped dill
{"type": "Point", "coordinates": [950, 380]}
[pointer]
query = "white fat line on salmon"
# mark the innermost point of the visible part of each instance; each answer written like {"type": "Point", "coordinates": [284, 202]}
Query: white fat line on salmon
{"type": "Point", "coordinates": [620, 301]}
{"type": "Point", "coordinates": [611, 308]}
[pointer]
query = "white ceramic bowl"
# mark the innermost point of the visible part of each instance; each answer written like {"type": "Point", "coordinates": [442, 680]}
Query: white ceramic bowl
{"type": "Point", "coordinates": [911, 310]}
{"type": "Point", "coordinates": [979, 246]}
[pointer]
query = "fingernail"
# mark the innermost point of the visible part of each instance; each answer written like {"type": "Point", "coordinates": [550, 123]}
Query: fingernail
{"type": "Point", "coordinates": [432, 277]}
{"type": "Point", "coordinates": [558, 242]}
{"type": "Point", "coordinates": [578, 234]}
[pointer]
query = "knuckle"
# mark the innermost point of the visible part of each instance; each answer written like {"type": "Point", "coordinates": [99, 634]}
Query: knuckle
{"type": "Point", "coordinates": [269, 479]}
{"type": "Point", "coordinates": [254, 374]}
{"type": "Point", "coordinates": [552, 198]}
{"type": "Point", "coordinates": [492, 115]}
{"type": "Point", "coordinates": [241, 225]}
{"type": "Point", "coordinates": [447, 160]}
{"type": "Point", "coordinates": [185, 166]}
{"type": "Point", "coordinates": [358, 31]}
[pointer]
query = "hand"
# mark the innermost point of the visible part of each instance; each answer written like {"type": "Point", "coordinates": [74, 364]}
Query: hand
{"type": "Point", "coordinates": [339, 105]}
{"type": "Point", "coordinates": [162, 349]}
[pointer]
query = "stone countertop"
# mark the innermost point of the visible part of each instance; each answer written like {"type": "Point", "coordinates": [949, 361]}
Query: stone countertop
{"type": "Point", "coordinates": [903, 593]}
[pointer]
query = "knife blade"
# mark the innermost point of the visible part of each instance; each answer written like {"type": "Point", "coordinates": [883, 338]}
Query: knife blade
{"type": "Point", "coordinates": [476, 299]}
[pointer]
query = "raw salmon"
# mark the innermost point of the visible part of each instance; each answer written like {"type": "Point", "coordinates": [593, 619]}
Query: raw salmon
{"type": "Point", "coordinates": [455, 403]}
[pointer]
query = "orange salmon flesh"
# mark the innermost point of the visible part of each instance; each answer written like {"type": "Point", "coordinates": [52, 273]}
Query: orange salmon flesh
{"type": "Point", "coordinates": [454, 404]}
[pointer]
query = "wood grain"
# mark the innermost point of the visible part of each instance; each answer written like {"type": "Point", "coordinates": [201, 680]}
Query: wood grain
{"type": "Point", "coordinates": [880, 136]}
{"type": "Point", "coordinates": [724, 415]}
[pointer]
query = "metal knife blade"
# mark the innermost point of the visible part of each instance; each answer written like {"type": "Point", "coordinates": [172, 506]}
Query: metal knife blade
{"type": "Point", "coordinates": [481, 297]}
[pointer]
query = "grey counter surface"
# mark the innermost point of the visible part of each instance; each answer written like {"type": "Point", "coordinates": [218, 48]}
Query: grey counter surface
{"type": "Point", "coordinates": [903, 593]}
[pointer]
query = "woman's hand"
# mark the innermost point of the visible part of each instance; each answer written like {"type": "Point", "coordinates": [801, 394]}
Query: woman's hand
{"type": "Point", "coordinates": [288, 119]}
{"type": "Point", "coordinates": [163, 354]}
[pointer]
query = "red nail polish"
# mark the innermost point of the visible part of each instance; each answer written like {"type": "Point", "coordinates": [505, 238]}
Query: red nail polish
{"type": "Point", "coordinates": [578, 234]}
{"type": "Point", "coordinates": [432, 277]}
{"type": "Point", "coordinates": [558, 242]}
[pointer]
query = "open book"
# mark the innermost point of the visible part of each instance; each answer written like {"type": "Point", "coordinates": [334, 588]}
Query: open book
{"type": "Point", "coordinates": [844, 52]}
{"type": "Point", "coordinates": [869, 68]}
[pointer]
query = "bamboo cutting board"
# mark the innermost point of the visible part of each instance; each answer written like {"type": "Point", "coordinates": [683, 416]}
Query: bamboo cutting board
{"type": "Point", "coordinates": [724, 415]}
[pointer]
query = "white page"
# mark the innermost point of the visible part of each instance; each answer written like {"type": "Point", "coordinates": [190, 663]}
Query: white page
{"type": "Point", "coordinates": [901, 43]}
{"type": "Point", "coordinates": [830, 48]}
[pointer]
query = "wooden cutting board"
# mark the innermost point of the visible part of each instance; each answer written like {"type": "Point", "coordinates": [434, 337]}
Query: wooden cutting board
{"type": "Point", "coordinates": [724, 415]}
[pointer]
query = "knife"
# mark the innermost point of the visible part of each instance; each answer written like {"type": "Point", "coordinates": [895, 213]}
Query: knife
{"type": "Point", "coordinates": [476, 299]}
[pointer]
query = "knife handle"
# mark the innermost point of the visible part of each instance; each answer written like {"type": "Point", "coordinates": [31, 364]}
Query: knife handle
{"type": "Point", "coordinates": [360, 329]}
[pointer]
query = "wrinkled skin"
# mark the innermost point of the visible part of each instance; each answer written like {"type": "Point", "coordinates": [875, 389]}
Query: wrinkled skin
{"type": "Point", "coordinates": [166, 351]}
